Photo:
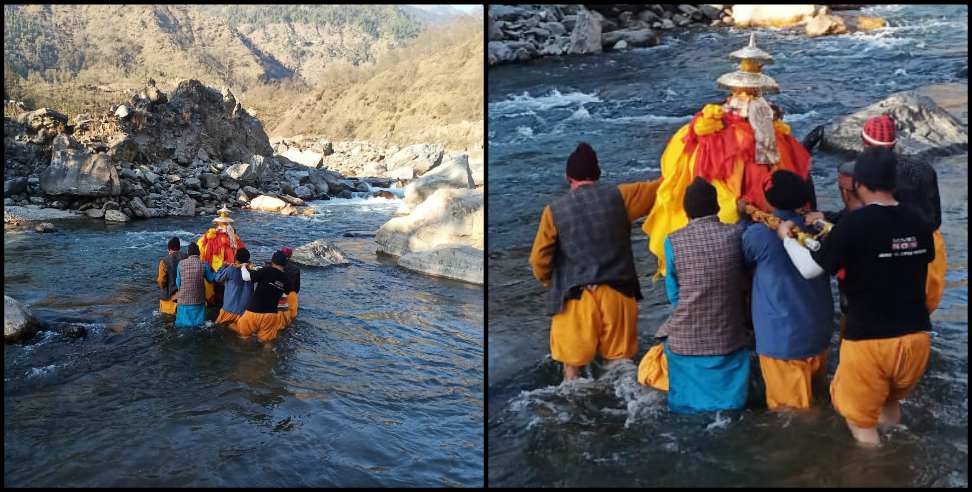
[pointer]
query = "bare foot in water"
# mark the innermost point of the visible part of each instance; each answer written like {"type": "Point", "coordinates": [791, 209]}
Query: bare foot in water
{"type": "Point", "coordinates": [867, 438]}
{"type": "Point", "coordinates": [571, 372]}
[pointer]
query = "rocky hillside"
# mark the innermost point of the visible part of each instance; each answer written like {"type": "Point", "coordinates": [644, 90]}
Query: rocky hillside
{"type": "Point", "coordinates": [154, 155]}
{"type": "Point", "coordinates": [428, 92]}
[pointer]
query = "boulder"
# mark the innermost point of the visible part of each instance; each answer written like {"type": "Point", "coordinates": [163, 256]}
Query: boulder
{"type": "Point", "coordinates": [140, 210]}
{"type": "Point", "coordinates": [18, 322]}
{"type": "Point", "coordinates": [250, 192]}
{"type": "Point", "coordinates": [452, 174]}
{"type": "Point", "coordinates": [620, 45]}
{"type": "Point", "coordinates": [667, 24]}
{"type": "Point", "coordinates": [192, 182]}
{"type": "Point", "coordinates": [95, 213]}
{"type": "Point", "coordinates": [318, 253]}
{"type": "Point", "coordinates": [420, 157]}
{"type": "Point", "coordinates": [865, 23]}
{"type": "Point", "coordinates": [713, 12]}
{"type": "Point", "coordinates": [79, 173]}
{"type": "Point", "coordinates": [243, 173]}
{"type": "Point", "coordinates": [229, 183]}
{"type": "Point", "coordinates": [507, 12]}
{"type": "Point", "coordinates": [771, 15]}
{"type": "Point", "coordinates": [924, 129]}
{"type": "Point", "coordinates": [14, 186]}
{"type": "Point", "coordinates": [122, 112]}
{"type": "Point", "coordinates": [115, 216]}
{"type": "Point", "coordinates": [45, 118]}
{"type": "Point", "coordinates": [586, 36]}
{"type": "Point", "coordinates": [825, 24]}
{"type": "Point", "coordinates": [291, 199]}
{"type": "Point", "coordinates": [456, 262]}
{"type": "Point", "coordinates": [267, 204]}
{"type": "Point", "coordinates": [307, 158]}
{"type": "Point", "coordinates": [304, 193]}
{"type": "Point", "coordinates": [631, 37]}
{"type": "Point", "coordinates": [45, 227]}
{"type": "Point", "coordinates": [209, 180]}
{"type": "Point", "coordinates": [449, 219]}
{"type": "Point", "coordinates": [186, 208]}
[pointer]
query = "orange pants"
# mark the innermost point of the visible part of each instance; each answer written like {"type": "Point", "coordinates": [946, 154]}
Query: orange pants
{"type": "Point", "coordinates": [226, 318]}
{"type": "Point", "coordinates": [935, 281]}
{"type": "Point", "coordinates": [653, 369]}
{"type": "Point", "coordinates": [604, 321]}
{"type": "Point", "coordinates": [789, 381]}
{"type": "Point", "coordinates": [266, 326]}
{"type": "Point", "coordinates": [873, 372]}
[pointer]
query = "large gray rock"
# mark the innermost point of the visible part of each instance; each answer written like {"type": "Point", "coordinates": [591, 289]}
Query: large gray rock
{"type": "Point", "coordinates": [186, 208]}
{"type": "Point", "coordinates": [319, 253]}
{"type": "Point", "coordinates": [507, 12]}
{"type": "Point", "coordinates": [586, 36]}
{"type": "Point", "coordinates": [304, 193]}
{"type": "Point", "coordinates": [453, 174]}
{"type": "Point", "coordinates": [632, 37]}
{"type": "Point", "coordinates": [924, 129]}
{"type": "Point", "coordinates": [307, 158]}
{"type": "Point", "coordinates": [456, 262]}
{"type": "Point", "coordinates": [18, 321]}
{"type": "Point", "coordinates": [14, 214]}
{"type": "Point", "coordinates": [267, 203]}
{"type": "Point", "coordinates": [420, 157]}
{"type": "Point", "coordinates": [449, 219]}
{"type": "Point", "coordinates": [209, 180]}
{"type": "Point", "coordinates": [115, 216]}
{"type": "Point", "coordinates": [14, 186]}
{"type": "Point", "coordinates": [79, 173]}
{"type": "Point", "coordinates": [243, 173]}
{"type": "Point", "coordinates": [825, 24]}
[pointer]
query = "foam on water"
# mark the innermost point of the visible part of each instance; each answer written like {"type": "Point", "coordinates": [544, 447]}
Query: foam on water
{"type": "Point", "coordinates": [541, 103]}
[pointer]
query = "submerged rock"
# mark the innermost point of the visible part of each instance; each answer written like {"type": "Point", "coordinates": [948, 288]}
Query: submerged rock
{"type": "Point", "coordinates": [319, 253]}
{"type": "Point", "coordinates": [45, 227]}
{"type": "Point", "coordinates": [456, 262]}
{"type": "Point", "coordinates": [18, 321]}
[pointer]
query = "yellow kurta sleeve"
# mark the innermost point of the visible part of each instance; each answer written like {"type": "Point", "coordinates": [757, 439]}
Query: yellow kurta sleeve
{"type": "Point", "coordinates": [639, 198]}
{"type": "Point", "coordinates": [544, 245]}
{"type": "Point", "coordinates": [161, 279]}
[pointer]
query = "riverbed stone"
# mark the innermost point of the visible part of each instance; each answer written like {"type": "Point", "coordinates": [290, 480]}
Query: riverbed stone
{"type": "Point", "coordinates": [319, 253]}
{"type": "Point", "coordinates": [115, 216]}
{"type": "Point", "coordinates": [586, 36]}
{"type": "Point", "coordinates": [18, 321]}
{"type": "Point", "coordinates": [924, 128]}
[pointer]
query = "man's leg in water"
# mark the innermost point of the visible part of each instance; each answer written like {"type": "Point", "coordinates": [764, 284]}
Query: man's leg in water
{"type": "Point", "coordinates": [890, 414]}
{"type": "Point", "coordinates": [573, 334]}
{"type": "Point", "coordinates": [866, 436]}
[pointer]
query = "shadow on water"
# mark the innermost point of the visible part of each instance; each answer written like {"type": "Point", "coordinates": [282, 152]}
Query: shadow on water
{"type": "Point", "coordinates": [377, 383]}
{"type": "Point", "coordinates": [606, 430]}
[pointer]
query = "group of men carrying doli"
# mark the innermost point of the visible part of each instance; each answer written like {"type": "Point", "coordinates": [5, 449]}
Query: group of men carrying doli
{"type": "Point", "coordinates": [725, 223]}
{"type": "Point", "coordinates": [216, 272]}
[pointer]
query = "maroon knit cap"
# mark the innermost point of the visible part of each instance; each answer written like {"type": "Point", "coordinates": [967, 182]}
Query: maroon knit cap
{"type": "Point", "coordinates": [879, 131]}
{"type": "Point", "coordinates": [582, 164]}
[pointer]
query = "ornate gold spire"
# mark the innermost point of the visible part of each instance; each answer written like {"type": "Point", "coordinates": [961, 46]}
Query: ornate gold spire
{"type": "Point", "coordinates": [750, 76]}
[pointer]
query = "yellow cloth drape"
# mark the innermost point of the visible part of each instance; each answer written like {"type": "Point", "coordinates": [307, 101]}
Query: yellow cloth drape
{"type": "Point", "coordinates": [668, 214]}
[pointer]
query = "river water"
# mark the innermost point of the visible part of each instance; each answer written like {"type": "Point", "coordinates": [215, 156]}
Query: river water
{"type": "Point", "coordinates": [605, 429]}
{"type": "Point", "coordinates": [378, 382]}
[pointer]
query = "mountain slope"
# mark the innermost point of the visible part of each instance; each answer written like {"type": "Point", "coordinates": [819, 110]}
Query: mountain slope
{"type": "Point", "coordinates": [431, 91]}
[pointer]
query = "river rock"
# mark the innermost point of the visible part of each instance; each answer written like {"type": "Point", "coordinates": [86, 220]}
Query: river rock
{"type": "Point", "coordinates": [267, 204]}
{"type": "Point", "coordinates": [95, 213]}
{"type": "Point", "coordinates": [45, 227]}
{"type": "Point", "coordinates": [115, 216]}
{"type": "Point", "coordinates": [209, 180]}
{"type": "Point", "coordinates": [14, 186]}
{"type": "Point", "coordinates": [771, 15]}
{"type": "Point", "coordinates": [15, 214]}
{"type": "Point", "coordinates": [865, 23]}
{"type": "Point", "coordinates": [456, 262]}
{"type": "Point", "coordinates": [450, 218]}
{"type": "Point", "coordinates": [242, 173]}
{"type": "Point", "coordinates": [79, 173]}
{"type": "Point", "coordinates": [122, 112]}
{"type": "Point", "coordinates": [586, 36]}
{"type": "Point", "coordinates": [419, 157]}
{"type": "Point", "coordinates": [307, 158]}
{"type": "Point", "coordinates": [18, 322]}
{"type": "Point", "coordinates": [291, 199]}
{"type": "Point", "coordinates": [186, 208]}
{"type": "Point", "coordinates": [319, 253]}
{"type": "Point", "coordinates": [713, 12]}
{"type": "Point", "coordinates": [825, 24]}
{"type": "Point", "coordinates": [304, 192]}
{"type": "Point", "coordinates": [229, 183]}
{"type": "Point", "coordinates": [631, 37]}
{"type": "Point", "coordinates": [924, 128]}
{"type": "Point", "coordinates": [453, 174]}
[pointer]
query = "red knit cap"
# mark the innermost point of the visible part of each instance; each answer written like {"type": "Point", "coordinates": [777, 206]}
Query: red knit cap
{"type": "Point", "coordinates": [879, 131]}
{"type": "Point", "coordinates": [287, 251]}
